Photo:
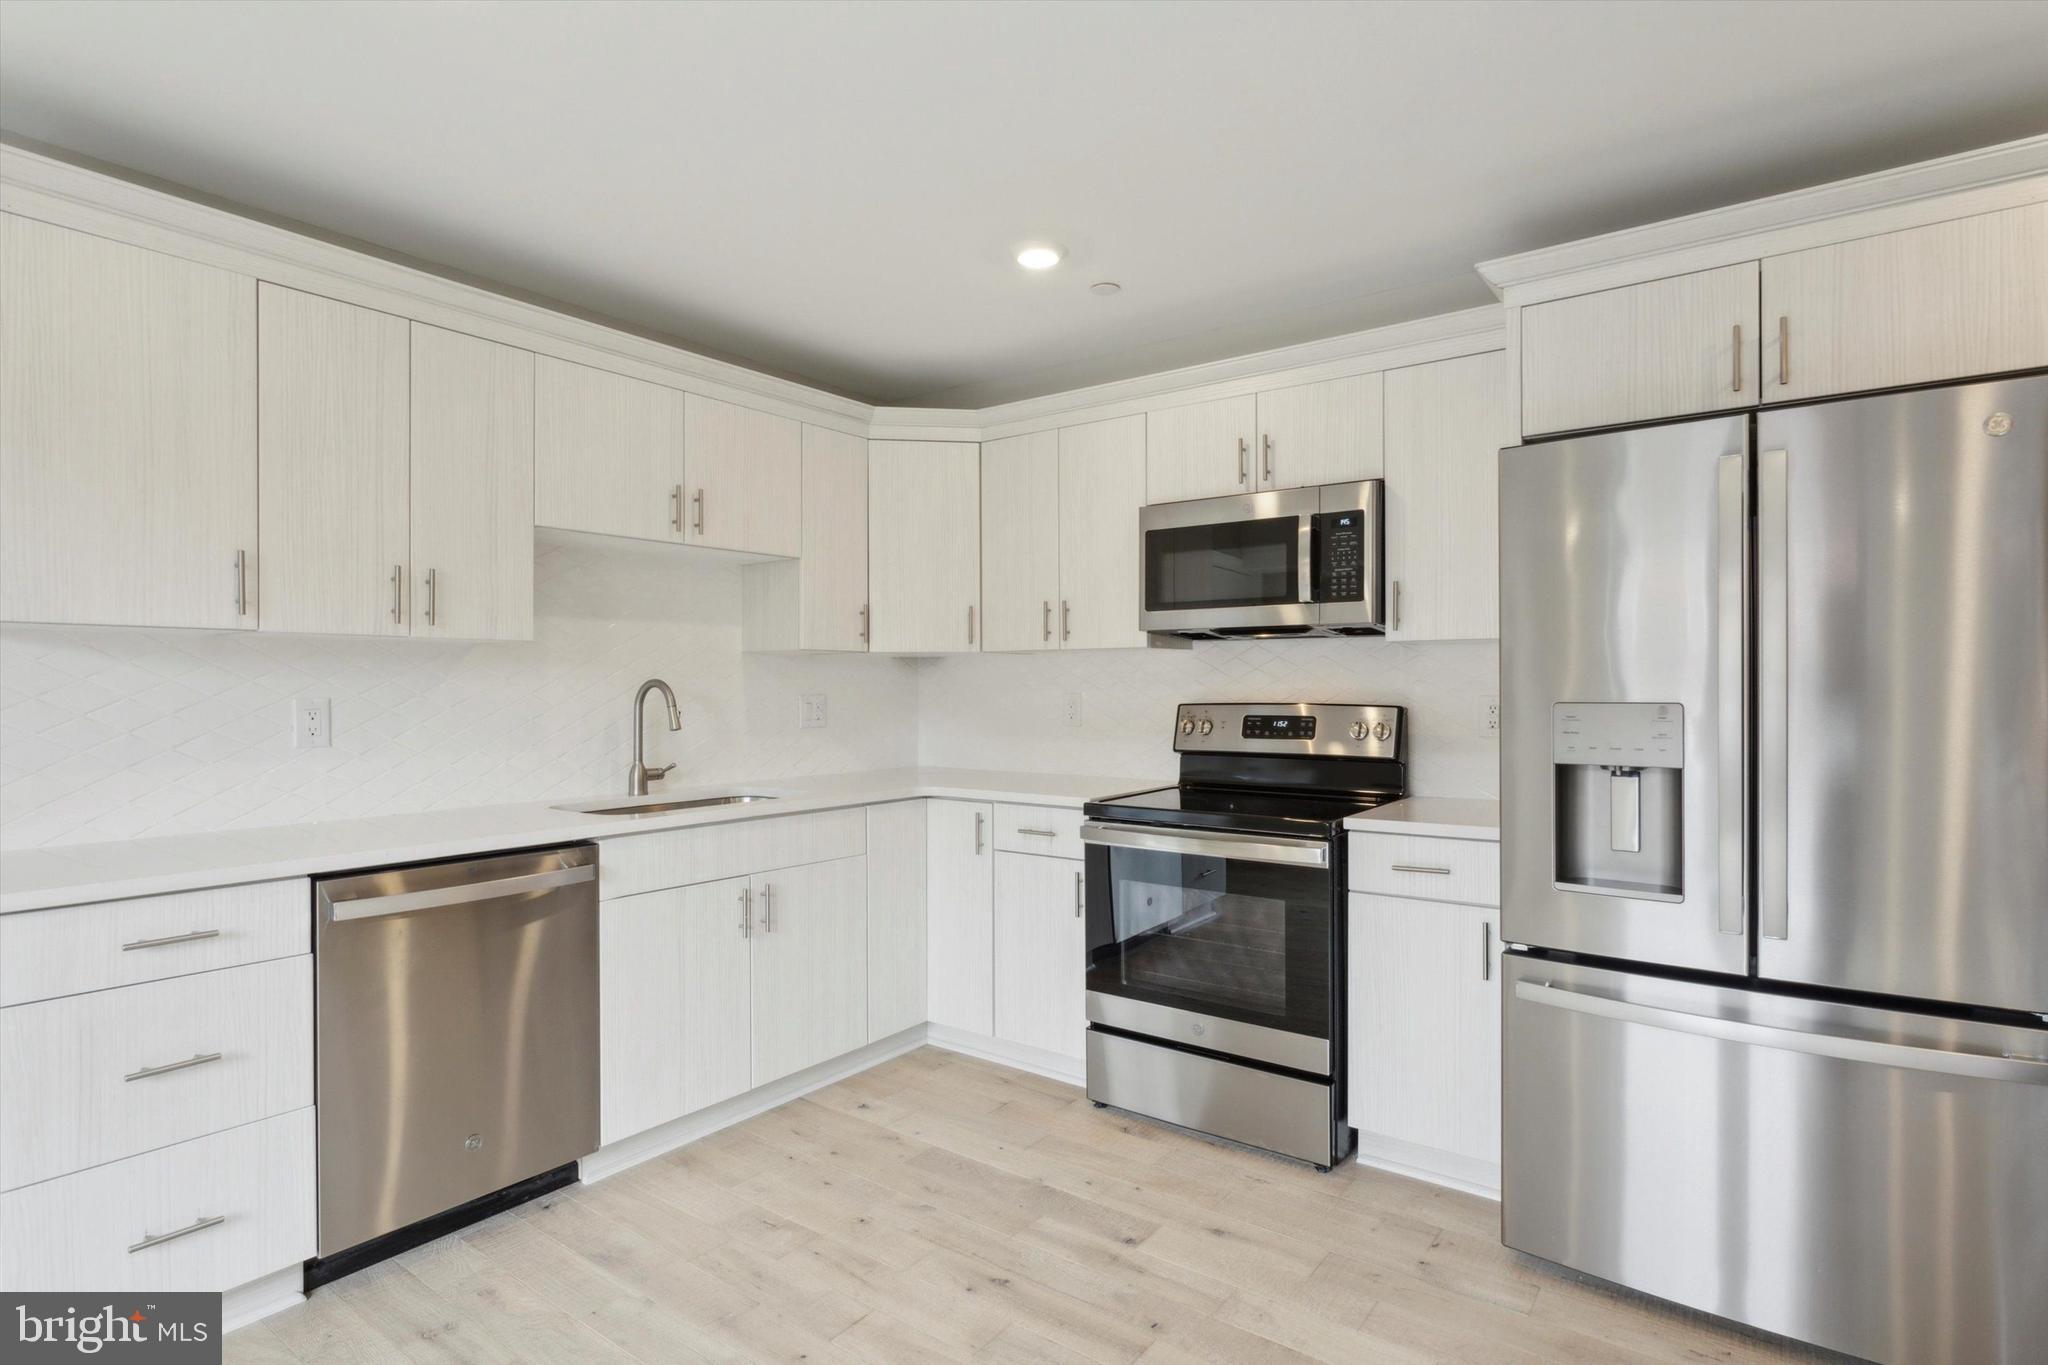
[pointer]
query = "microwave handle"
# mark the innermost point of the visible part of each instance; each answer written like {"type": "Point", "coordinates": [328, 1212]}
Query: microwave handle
{"type": "Point", "coordinates": [1306, 548]}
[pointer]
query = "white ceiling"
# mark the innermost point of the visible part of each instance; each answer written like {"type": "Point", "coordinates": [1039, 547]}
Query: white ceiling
{"type": "Point", "coordinates": [832, 191]}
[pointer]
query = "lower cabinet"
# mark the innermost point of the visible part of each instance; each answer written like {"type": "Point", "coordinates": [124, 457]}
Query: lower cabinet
{"type": "Point", "coordinates": [960, 914]}
{"type": "Point", "coordinates": [1041, 949]}
{"type": "Point", "coordinates": [896, 918]}
{"type": "Point", "coordinates": [810, 973]}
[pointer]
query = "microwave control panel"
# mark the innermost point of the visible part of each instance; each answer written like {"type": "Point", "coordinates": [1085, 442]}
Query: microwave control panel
{"type": "Point", "coordinates": [1340, 556]}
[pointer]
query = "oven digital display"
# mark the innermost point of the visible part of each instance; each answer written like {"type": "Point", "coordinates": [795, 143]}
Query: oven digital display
{"type": "Point", "coordinates": [1279, 727]}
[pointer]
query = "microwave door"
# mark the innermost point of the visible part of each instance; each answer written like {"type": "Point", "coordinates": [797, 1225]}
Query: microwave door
{"type": "Point", "coordinates": [1229, 565]}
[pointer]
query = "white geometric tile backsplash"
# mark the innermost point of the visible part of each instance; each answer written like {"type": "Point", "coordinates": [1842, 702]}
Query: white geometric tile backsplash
{"type": "Point", "coordinates": [111, 734]}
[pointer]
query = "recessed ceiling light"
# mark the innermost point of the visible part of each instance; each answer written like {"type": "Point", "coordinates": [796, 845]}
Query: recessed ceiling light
{"type": "Point", "coordinates": [1105, 288]}
{"type": "Point", "coordinates": [1038, 257]}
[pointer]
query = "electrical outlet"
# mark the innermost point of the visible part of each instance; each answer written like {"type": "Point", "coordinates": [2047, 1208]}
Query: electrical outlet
{"type": "Point", "coordinates": [1489, 716]}
{"type": "Point", "coordinates": [310, 723]}
{"type": "Point", "coordinates": [810, 711]}
{"type": "Point", "coordinates": [1073, 708]}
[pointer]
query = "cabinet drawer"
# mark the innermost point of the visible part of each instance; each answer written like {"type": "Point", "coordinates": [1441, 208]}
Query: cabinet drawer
{"type": "Point", "coordinates": [71, 1069]}
{"type": "Point", "coordinates": [1462, 870]}
{"type": "Point", "coordinates": [708, 853]}
{"type": "Point", "coordinates": [48, 953]}
{"type": "Point", "coordinates": [1054, 830]}
{"type": "Point", "coordinates": [85, 1229]}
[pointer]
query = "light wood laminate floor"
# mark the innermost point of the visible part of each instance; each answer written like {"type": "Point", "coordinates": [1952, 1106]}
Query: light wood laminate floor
{"type": "Point", "coordinates": [939, 1208]}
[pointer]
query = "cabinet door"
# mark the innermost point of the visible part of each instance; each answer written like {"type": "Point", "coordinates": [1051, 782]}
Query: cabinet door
{"type": "Point", "coordinates": [960, 914]}
{"type": "Point", "coordinates": [1327, 432]}
{"type": "Point", "coordinates": [834, 567]}
{"type": "Point", "coordinates": [1020, 542]}
{"type": "Point", "coordinates": [1202, 450]}
{"type": "Point", "coordinates": [607, 452]}
{"type": "Point", "coordinates": [896, 910]}
{"type": "Point", "coordinates": [743, 471]}
{"type": "Point", "coordinates": [1446, 424]}
{"type": "Point", "coordinates": [640, 1002]}
{"type": "Point", "coordinates": [334, 460]}
{"type": "Point", "coordinates": [717, 992]}
{"type": "Point", "coordinates": [1102, 488]}
{"type": "Point", "coordinates": [924, 546]}
{"type": "Point", "coordinates": [810, 972]}
{"type": "Point", "coordinates": [1661, 349]}
{"type": "Point", "coordinates": [472, 487]}
{"type": "Point", "coordinates": [1041, 953]}
{"type": "Point", "coordinates": [127, 434]}
{"type": "Point", "coordinates": [1425, 1027]}
{"type": "Point", "coordinates": [1945, 301]}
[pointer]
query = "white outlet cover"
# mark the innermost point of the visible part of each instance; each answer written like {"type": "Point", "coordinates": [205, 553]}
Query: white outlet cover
{"type": "Point", "coordinates": [1073, 708]}
{"type": "Point", "coordinates": [810, 711]}
{"type": "Point", "coordinates": [1489, 716]}
{"type": "Point", "coordinates": [312, 723]}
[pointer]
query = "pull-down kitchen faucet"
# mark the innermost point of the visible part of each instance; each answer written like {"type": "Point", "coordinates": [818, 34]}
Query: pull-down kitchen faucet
{"type": "Point", "coordinates": [639, 775]}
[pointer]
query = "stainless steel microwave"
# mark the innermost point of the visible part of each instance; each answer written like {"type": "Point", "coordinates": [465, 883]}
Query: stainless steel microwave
{"type": "Point", "coordinates": [1298, 561]}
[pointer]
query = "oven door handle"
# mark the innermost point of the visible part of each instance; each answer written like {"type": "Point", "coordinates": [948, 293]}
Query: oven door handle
{"type": "Point", "coordinates": [1245, 848]}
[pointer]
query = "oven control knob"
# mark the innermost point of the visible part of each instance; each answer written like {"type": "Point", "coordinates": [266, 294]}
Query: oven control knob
{"type": "Point", "coordinates": [1358, 729]}
{"type": "Point", "coordinates": [1380, 730]}
{"type": "Point", "coordinates": [1187, 727]}
{"type": "Point", "coordinates": [1207, 725]}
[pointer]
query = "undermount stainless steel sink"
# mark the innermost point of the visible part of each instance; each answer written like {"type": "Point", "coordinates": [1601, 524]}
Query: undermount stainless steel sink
{"type": "Point", "coordinates": [657, 806]}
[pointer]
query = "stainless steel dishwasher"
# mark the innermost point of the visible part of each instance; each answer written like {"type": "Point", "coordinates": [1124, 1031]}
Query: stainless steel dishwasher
{"type": "Point", "coordinates": [457, 1044]}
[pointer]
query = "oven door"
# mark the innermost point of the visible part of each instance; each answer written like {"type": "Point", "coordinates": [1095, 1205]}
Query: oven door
{"type": "Point", "coordinates": [1223, 942]}
{"type": "Point", "coordinates": [1238, 565]}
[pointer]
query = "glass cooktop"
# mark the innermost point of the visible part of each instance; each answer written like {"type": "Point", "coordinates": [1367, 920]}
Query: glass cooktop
{"type": "Point", "coordinates": [1257, 810]}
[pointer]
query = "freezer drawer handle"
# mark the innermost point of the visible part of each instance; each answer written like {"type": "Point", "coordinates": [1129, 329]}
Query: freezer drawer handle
{"type": "Point", "coordinates": [1245, 848]}
{"type": "Point", "coordinates": [463, 894]}
{"type": "Point", "coordinates": [1972, 1064]}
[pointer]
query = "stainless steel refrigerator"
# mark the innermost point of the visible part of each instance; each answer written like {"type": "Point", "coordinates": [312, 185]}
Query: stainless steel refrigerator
{"type": "Point", "coordinates": [1775, 866]}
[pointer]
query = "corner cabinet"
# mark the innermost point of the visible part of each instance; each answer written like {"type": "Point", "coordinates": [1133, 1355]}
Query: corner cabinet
{"type": "Point", "coordinates": [128, 487]}
{"type": "Point", "coordinates": [924, 547]}
{"type": "Point", "coordinates": [960, 915]}
{"type": "Point", "coordinates": [1446, 423]}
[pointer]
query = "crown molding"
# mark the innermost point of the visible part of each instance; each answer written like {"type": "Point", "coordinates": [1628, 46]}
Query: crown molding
{"type": "Point", "coordinates": [1979, 181]}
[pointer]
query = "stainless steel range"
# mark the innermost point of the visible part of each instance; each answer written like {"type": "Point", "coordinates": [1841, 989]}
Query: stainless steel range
{"type": "Point", "coordinates": [1215, 923]}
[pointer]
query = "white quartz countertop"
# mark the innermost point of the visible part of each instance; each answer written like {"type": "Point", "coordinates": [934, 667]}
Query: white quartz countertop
{"type": "Point", "coordinates": [1439, 817]}
{"type": "Point", "coordinates": [36, 879]}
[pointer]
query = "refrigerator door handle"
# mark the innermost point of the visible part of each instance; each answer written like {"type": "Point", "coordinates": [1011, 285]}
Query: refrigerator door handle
{"type": "Point", "coordinates": [1983, 1066]}
{"type": "Point", "coordinates": [1773, 684]}
{"type": "Point", "coordinates": [1731, 656]}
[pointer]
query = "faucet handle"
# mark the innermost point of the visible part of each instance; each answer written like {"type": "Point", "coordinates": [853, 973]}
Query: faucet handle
{"type": "Point", "coordinates": [656, 774]}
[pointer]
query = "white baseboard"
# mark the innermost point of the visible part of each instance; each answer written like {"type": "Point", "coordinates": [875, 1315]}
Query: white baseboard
{"type": "Point", "coordinates": [1052, 1065]}
{"type": "Point", "coordinates": [258, 1299]}
{"type": "Point", "coordinates": [609, 1160]}
{"type": "Point", "coordinates": [1428, 1163]}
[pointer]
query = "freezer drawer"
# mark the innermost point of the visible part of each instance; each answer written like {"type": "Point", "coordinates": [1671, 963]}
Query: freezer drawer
{"type": "Point", "coordinates": [1867, 1180]}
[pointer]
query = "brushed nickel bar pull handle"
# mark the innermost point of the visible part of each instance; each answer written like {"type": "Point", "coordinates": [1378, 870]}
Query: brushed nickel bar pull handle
{"type": "Point", "coordinates": [1080, 895]}
{"type": "Point", "coordinates": [697, 510]}
{"type": "Point", "coordinates": [158, 1239]}
{"type": "Point", "coordinates": [167, 940]}
{"type": "Point", "coordinates": [767, 907]}
{"type": "Point", "coordinates": [241, 582]}
{"type": "Point", "coordinates": [1041, 833]}
{"type": "Point", "coordinates": [746, 912]}
{"type": "Point", "coordinates": [1784, 350]}
{"type": "Point", "coordinates": [675, 508]}
{"type": "Point", "coordinates": [1047, 627]}
{"type": "Point", "coordinates": [970, 623]}
{"type": "Point", "coordinates": [1485, 951]}
{"type": "Point", "coordinates": [1066, 619]}
{"type": "Point", "coordinates": [1432, 871]}
{"type": "Point", "coordinates": [1397, 604]}
{"type": "Point", "coordinates": [863, 625]}
{"type": "Point", "coordinates": [1267, 442]}
{"type": "Point", "coordinates": [397, 593]}
{"type": "Point", "coordinates": [197, 1059]}
{"type": "Point", "coordinates": [978, 818]}
{"type": "Point", "coordinates": [1738, 357]}
{"type": "Point", "coordinates": [433, 597]}
{"type": "Point", "coordinates": [1244, 466]}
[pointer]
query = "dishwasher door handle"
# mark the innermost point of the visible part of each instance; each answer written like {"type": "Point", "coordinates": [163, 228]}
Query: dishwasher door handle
{"type": "Point", "coordinates": [465, 893]}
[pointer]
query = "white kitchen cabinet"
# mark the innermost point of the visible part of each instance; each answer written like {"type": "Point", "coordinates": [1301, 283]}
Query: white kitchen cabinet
{"type": "Point", "coordinates": [1665, 348]}
{"type": "Point", "coordinates": [1446, 423]}
{"type": "Point", "coordinates": [924, 547]}
{"type": "Point", "coordinates": [1425, 1036]}
{"type": "Point", "coordinates": [1020, 542]}
{"type": "Point", "coordinates": [641, 1004]}
{"type": "Point", "coordinates": [335, 461]}
{"type": "Point", "coordinates": [472, 487]}
{"type": "Point", "coordinates": [810, 965]}
{"type": "Point", "coordinates": [1201, 450]}
{"type": "Point", "coordinates": [1944, 301]}
{"type": "Point", "coordinates": [960, 916]}
{"type": "Point", "coordinates": [818, 601]}
{"type": "Point", "coordinates": [1326, 432]}
{"type": "Point", "coordinates": [896, 915]}
{"type": "Point", "coordinates": [717, 991]}
{"type": "Point", "coordinates": [703, 853]}
{"type": "Point", "coordinates": [607, 452]}
{"type": "Point", "coordinates": [128, 491]}
{"type": "Point", "coordinates": [744, 469]}
{"type": "Point", "coordinates": [1101, 489]}
{"type": "Point", "coordinates": [1041, 951]}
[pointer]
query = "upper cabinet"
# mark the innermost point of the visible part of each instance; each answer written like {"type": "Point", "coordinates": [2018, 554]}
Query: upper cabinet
{"type": "Point", "coordinates": [335, 460]}
{"type": "Point", "coordinates": [128, 490]}
{"type": "Point", "coordinates": [743, 469]}
{"type": "Point", "coordinates": [1321, 433]}
{"type": "Point", "coordinates": [1020, 542]}
{"type": "Point", "coordinates": [1201, 450]}
{"type": "Point", "coordinates": [607, 453]}
{"type": "Point", "coordinates": [924, 547]}
{"type": "Point", "coordinates": [1102, 488]}
{"type": "Point", "coordinates": [1944, 301]}
{"type": "Point", "coordinates": [820, 599]}
{"type": "Point", "coordinates": [472, 487]}
{"type": "Point", "coordinates": [1665, 348]}
{"type": "Point", "coordinates": [1446, 423]}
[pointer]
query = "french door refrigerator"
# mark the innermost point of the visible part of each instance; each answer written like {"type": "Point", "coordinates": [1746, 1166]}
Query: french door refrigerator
{"type": "Point", "coordinates": [1775, 866]}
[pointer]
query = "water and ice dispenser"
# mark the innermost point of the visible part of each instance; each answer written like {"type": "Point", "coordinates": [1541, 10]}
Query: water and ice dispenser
{"type": "Point", "coordinates": [1619, 770]}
